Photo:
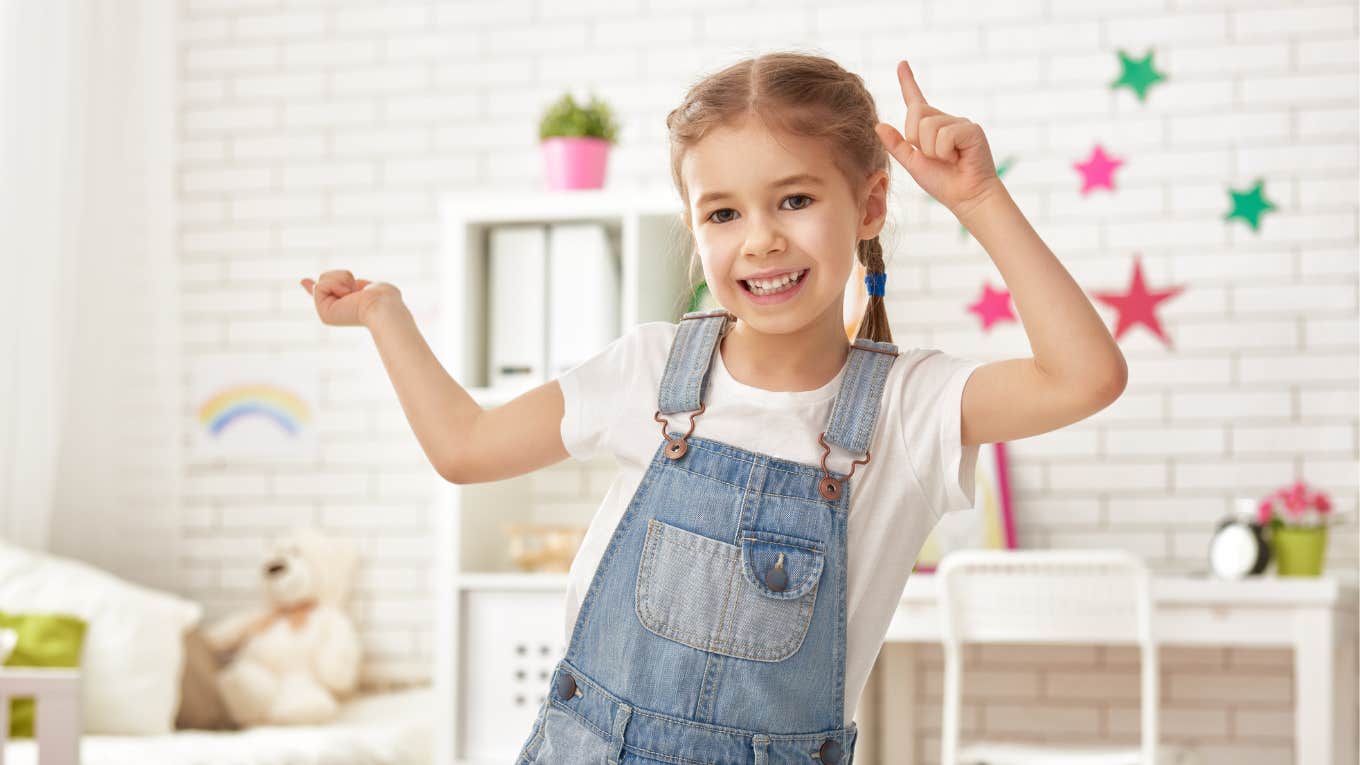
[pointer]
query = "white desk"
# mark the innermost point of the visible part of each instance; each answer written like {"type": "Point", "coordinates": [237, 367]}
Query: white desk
{"type": "Point", "coordinates": [1314, 616]}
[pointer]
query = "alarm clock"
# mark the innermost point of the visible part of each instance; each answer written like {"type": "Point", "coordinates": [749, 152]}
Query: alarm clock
{"type": "Point", "coordinates": [1238, 547]}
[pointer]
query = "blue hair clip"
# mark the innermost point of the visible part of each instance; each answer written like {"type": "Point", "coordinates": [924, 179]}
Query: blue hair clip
{"type": "Point", "coordinates": [875, 282]}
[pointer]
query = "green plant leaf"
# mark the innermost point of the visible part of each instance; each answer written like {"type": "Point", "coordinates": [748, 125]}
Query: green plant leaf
{"type": "Point", "coordinates": [567, 119]}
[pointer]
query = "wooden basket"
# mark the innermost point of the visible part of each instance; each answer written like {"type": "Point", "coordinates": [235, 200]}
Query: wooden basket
{"type": "Point", "coordinates": [542, 547]}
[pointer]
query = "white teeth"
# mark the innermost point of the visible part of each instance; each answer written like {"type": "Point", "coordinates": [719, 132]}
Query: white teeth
{"type": "Point", "coordinates": [766, 286]}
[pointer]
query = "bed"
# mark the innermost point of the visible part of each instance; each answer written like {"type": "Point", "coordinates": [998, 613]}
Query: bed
{"type": "Point", "coordinates": [390, 728]}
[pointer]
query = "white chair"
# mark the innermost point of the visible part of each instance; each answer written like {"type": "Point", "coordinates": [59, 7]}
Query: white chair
{"type": "Point", "coordinates": [1047, 596]}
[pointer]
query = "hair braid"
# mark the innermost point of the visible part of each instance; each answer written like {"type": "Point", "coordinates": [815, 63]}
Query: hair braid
{"type": "Point", "coordinates": [874, 325]}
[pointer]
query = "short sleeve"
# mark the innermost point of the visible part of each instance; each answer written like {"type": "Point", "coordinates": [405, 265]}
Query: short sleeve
{"type": "Point", "coordinates": [591, 391]}
{"type": "Point", "coordinates": [933, 430]}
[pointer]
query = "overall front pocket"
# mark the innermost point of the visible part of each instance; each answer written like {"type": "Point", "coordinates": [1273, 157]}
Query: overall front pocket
{"type": "Point", "coordinates": [750, 601]}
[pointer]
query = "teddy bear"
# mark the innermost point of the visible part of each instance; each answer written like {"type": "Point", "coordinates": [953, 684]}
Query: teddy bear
{"type": "Point", "coordinates": [295, 657]}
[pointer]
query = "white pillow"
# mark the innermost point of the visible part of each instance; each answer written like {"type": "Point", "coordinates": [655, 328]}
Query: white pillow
{"type": "Point", "coordinates": [134, 642]}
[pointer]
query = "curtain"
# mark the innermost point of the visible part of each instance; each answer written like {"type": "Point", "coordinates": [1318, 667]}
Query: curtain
{"type": "Point", "coordinates": [89, 353]}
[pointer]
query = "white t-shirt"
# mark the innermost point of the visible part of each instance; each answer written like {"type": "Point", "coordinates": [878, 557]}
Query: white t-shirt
{"type": "Point", "coordinates": [611, 397]}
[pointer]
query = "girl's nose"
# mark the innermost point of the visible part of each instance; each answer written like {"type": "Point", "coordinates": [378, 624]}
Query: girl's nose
{"type": "Point", "coordinates": [763, 237]}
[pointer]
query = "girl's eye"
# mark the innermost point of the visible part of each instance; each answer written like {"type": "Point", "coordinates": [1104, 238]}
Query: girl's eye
{"type": "Point", "coordinates": [791, 196]}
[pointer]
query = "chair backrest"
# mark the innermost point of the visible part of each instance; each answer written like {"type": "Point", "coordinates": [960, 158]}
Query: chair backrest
{"type": "Point", "coordinates": [1044, 596]}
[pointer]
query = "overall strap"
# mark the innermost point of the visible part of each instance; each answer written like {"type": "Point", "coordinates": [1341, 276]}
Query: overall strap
{"type": "Point", "coordinates": [857, 402]}
{"type": "Point", "coordinates": [687, 367]}
{"type": "Point", "coordinates": [856, 409]}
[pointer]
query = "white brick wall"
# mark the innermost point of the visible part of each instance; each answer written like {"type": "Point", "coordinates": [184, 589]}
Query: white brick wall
{"type": "Point", "coordinates": [317, 135]}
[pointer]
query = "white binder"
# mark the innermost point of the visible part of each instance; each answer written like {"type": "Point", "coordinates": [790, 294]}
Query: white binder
{"type": "Point", "coordinates": [583, 294]}
{"type": "Point", "coordinates": [517, 282]}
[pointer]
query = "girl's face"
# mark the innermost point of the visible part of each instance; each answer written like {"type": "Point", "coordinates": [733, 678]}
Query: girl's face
{"type": "Point", "coordinates": [763, 203]}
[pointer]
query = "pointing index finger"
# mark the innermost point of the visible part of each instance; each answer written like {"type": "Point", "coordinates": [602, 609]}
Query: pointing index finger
{"type": "Point", "coordinates": [911, 92]}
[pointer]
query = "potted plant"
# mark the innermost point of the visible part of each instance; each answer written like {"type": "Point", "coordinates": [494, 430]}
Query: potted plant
{"type": "Point", "coordinates": [1298, 519]}
{"type": "Point", "coordinates": [575, 140]}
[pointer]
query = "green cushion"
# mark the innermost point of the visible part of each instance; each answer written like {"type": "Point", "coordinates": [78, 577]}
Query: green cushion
{"type": "Point", "coordinates": [45, 640]}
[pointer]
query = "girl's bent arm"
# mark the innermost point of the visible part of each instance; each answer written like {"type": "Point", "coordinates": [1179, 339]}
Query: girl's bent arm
{"type": "Point", "coordinates": [1077, 368]}
{"type": "Point", "coordinates": [463, 442]}
{"type": "Point", "coordinates": [520, 436]}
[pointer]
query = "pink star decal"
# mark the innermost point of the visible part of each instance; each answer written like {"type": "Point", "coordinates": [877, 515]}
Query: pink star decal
{"type": "Point", "coordinates": [1136, 305]}
{"type": "Point", "coordinates": [993, 306]}
{"type": "Point", "coordinates": [1098, 171]}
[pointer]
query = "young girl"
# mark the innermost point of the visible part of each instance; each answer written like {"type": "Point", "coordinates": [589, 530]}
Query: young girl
{"type": "Point", "coordinates": [776, 481]}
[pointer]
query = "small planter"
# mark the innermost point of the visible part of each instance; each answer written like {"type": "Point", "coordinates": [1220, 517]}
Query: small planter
{"type": "Point", "coordinates": [1299, 551]}
{"type": "Point", "coordinates": [575, 141]}
{"type": "Point", "coordinates": [574, 162]}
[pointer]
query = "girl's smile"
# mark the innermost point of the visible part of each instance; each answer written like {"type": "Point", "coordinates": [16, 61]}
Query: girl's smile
{"type": "Point", "coordinates": [778, 289]}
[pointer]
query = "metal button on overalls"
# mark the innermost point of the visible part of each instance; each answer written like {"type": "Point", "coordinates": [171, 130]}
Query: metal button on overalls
{"type": "Point", "coordinates": [566, 686]}
{"type": "Point", "coordinates": [716, 616]}
{"type": "Point", "coordinates": [775, 578]}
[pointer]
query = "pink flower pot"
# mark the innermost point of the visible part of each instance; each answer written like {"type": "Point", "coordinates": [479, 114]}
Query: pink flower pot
{"type": "Point", "coordinates": [574, 163]}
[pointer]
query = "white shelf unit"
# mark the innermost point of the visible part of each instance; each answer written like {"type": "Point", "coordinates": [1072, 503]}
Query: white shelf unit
{"type": "Point", "coordinates": [498, 631]}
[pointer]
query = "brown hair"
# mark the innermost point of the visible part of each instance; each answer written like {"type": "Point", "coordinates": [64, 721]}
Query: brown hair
{"type": "Point", "coordinates": [802, 94]}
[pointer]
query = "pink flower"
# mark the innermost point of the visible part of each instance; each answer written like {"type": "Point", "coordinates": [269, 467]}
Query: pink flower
{"type": "Point", "coordinates": [1298, 503]}
{"type": "Point", "coordinates": [1294, 499]}
{"type": "Point", "coordinates": [1264, 511]}
{"type": "Point", "coordinates": [1294, 509]}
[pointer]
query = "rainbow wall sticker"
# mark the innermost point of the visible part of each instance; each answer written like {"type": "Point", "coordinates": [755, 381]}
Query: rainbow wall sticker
{"type": "Point", "coordinates": [263, 400]}
{"type": "Point", "coordinates": [247, 407]}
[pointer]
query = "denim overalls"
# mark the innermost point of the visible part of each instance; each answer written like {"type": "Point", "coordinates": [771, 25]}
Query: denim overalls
{"type": "Point", "coordinates": [713, 631]}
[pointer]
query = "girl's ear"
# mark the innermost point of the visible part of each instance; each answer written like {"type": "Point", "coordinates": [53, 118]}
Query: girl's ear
{"type": "Point", "coordinates": [874, 204]}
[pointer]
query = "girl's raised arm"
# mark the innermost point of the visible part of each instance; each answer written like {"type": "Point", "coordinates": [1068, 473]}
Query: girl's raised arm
{"type": "Point", "coordinates": [1077, 368]}
{"type": "Point", "coordinates": [463, 442]}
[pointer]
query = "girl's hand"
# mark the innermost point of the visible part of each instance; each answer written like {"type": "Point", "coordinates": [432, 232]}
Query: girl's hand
{"type": "Point", "coordinates": [341, 300]}
{"type": "Point", "coordinates": [948, 156]}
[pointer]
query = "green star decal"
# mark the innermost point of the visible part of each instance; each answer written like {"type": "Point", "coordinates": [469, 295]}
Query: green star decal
{"type": "Point", "coordinates": [1000, 172]}
{"type": "Point", "coordinates": [1138, 75]}
{"type": "Point", "coordinates": [1248, 205]}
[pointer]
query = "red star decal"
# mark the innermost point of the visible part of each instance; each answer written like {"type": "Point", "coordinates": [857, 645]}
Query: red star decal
{"type": "Point", "coordinates": [993, 306]}
{"type": "Point", "coordinates": [1136, 305]}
